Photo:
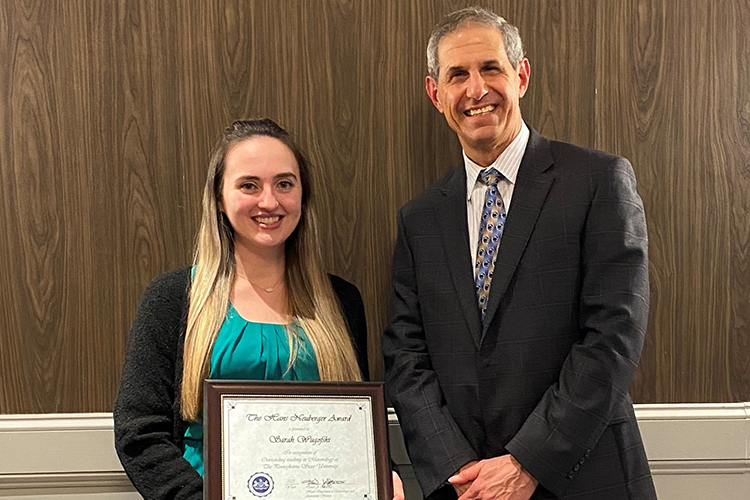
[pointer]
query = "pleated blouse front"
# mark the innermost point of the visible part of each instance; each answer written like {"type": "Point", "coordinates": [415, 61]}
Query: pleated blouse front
{"type": "Point", "coordinates": [246, 350]}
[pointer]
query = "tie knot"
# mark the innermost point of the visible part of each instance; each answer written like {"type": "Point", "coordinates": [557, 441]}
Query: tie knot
{"type": "Point", "coordinates": [490, 177]}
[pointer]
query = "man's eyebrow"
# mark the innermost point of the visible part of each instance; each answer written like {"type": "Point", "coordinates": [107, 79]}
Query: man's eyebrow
{"type": "Point", "coordinates": [452, 69]}
{"type": "Point", "coordinates": [489, 62]}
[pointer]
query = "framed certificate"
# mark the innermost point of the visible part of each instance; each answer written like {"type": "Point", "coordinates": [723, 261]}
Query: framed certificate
{"type": "Point", "coordinates": [295, 441]}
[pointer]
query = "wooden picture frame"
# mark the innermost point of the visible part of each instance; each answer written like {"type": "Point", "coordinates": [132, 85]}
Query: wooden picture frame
{"type": "Point", "coordinates": [306, 440]}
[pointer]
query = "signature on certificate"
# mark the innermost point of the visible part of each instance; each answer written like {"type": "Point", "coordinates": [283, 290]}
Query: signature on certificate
{"type": "Point", "coordinates": [323, 483]}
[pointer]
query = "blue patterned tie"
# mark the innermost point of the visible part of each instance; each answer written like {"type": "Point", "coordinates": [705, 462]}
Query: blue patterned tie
{"type": "Point", "coordinates": [490, 232]}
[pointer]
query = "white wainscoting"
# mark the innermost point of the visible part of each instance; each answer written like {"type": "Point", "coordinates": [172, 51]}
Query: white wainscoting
{"type": "Point", "coordinates": [696, 451]}
{"type": "Point", "coordinates": [61, 457]}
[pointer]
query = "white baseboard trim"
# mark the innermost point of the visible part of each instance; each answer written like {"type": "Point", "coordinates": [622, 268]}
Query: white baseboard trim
{"type": "Point", "coordinates": [672, 467]}
{"type": "Point", "coordinates": [59, 452]}
{"type": "Point", "coordinates": [703, 438]}
{"type": "Point", "coordinates": [78, 480]}
{"type": "Point", "coordinates": [75, 452]}
{"type": "Point", "coordinates": [55, 422]}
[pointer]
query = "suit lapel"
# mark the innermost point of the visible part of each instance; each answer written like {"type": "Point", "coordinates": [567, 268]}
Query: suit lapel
{"type": "Point", "coordinates": [529, 194]}
{"type": "Point", "coordinates": [454, 231]}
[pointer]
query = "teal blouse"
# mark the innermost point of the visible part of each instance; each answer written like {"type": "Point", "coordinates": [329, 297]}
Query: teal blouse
{"type": "Point", "coordinates": [245, 350]}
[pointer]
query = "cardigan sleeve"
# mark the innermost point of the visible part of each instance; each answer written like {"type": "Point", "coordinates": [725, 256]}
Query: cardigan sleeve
{"type": "Point", "coordinates": [144, 413]}
{"type": "Point", "coordinates": [354, 312]}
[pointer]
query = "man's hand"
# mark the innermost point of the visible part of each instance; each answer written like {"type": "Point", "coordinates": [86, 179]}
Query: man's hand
{"type": "Point", "coordinates": [462, 487]}
{"type": "Point", "coordinates": [499, 478]}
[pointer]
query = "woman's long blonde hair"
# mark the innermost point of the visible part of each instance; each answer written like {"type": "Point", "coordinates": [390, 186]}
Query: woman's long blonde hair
{"type": "Point", "coordinates": [310, 297]}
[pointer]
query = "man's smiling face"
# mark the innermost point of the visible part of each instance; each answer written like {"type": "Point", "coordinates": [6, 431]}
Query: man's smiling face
{"type": "Point", "coordinates": [478, 90]}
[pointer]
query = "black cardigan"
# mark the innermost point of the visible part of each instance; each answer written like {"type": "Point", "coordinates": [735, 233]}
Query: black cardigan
{"type": "Point", "coordinates": [148, 426]}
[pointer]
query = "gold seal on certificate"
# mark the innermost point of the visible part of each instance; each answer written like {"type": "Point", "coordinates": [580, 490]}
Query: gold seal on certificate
{"type": "Point", "coordinates": [295, 440]}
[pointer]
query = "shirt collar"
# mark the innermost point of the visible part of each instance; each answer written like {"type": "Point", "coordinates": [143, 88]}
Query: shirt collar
{"type": "Point", "coordinates": [507, 163]}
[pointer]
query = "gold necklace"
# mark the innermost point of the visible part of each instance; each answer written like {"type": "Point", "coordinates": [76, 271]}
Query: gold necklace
{"type": "Point", "coordinates": [268, 289]}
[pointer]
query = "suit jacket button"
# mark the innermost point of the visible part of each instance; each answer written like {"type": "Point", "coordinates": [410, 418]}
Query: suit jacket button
{"type": "Point", "coordinates": [588, 452]}
{"type": "Point", "coordinates": [570, 475]}
{"type": "Point", "coordinates": [576, 467]}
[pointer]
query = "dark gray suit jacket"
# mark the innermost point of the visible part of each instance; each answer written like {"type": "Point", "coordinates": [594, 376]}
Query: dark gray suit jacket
{"type": "Point", "coordinates": [546, 376]}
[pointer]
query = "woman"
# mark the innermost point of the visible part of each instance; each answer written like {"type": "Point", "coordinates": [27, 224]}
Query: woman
{"type": "Point", "coordinates": [255, 305]}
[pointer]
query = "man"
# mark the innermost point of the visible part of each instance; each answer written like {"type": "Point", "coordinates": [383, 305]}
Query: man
{"type": "Point", "coordinates": [520, 296]}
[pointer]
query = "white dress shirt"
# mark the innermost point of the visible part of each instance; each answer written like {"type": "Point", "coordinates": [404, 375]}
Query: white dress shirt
{"type": "Point", "coordinates": [507, 164]}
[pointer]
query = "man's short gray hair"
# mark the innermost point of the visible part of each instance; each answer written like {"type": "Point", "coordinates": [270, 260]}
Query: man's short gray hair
{"type": "Point", "coordinates": [473, 15]}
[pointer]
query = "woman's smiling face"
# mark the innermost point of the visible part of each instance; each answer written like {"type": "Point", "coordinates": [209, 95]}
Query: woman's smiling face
{"type": "Point", "coordinates": [261, 193]}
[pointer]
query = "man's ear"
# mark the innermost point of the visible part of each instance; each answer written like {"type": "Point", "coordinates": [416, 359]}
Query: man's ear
{"type": "Point", "coordinates": [524, 74]}
{"type": "Point", "coordinates": [430, 85]}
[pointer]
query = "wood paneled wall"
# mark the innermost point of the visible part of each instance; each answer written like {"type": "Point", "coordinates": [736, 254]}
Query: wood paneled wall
{"type": "Point", "coordinates": [108, 111]}
{"type": "Point", "coordinates": [673, 95]}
